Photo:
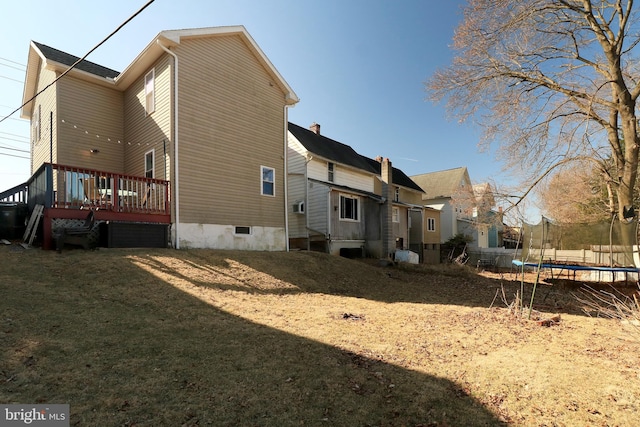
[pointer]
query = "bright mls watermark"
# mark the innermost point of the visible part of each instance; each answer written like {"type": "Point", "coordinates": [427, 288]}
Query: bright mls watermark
{"type": "Point", "coordinates": [34, 415]}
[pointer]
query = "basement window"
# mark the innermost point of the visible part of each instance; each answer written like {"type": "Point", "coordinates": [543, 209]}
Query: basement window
{"type": "Point", "coordinates": [242, 230]}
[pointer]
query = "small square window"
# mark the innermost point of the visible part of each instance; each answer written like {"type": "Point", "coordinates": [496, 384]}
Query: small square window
{"type": "Point", "coordinates": [268, 176]}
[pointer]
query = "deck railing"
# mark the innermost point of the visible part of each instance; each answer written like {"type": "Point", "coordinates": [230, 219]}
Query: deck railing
{"type": "Point", "coordinates": [15, 194]}
{"type": "Point", "coordinates": [60, 186]}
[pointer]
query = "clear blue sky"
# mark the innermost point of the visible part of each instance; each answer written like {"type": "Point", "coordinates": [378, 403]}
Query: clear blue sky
{"type": "Point", "coordinates": [358, 67]}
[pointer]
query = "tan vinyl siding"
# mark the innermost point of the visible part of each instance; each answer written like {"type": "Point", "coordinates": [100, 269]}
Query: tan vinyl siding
{"type": "Point", "coordinates": [41, 148]}
{"type": "Point", "coordinates": [231, 115]}
{"type": "Point", "coordinates": [92, 115]}
{"type": "Point", "coordinates": [145, 132]}
{"type": "Point", "coordinates": [401, 228]}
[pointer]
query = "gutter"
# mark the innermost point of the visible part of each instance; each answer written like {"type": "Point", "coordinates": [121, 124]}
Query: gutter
{"type": "Point", "coordinates": [286, 177]}
{"type": "Point", "coordinates": [175, 140]}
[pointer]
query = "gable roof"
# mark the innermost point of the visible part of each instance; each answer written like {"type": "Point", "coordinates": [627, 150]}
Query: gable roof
{"type": "Point", "coordinates": [398, 177]}
{"type": "Point", "coordinates": [441, 183]}
{"type": "Point", "coordinates": [329, 149]}
{"type": "Point", "coordinates": [58, 60]}
{"type": "Point", "coordinates": [64, 58]}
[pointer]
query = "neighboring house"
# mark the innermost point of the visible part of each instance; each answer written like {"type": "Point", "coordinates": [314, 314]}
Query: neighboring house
{"type": "Point", "coordinates": [194, 129]}
{"type": "Point", "coordinates": [485, 214]}
{"type": "Point", "coordinates": [341, 201]}
{"type": "Point", "coordinates": [466, 208]}
{"type": "Point", "coordinates": [451, 192]}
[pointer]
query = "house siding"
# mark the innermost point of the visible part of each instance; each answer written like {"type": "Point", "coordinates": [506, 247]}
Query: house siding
{"type": "Point", "coordinates": [296, 183]}
{"type": "Point", "coordinates": [92, 115]}
{"type": "Point", "coordinates": [343, 175]}
{"type": "Point", "coordinates": [41, 148]}
{"type": "Point", "coordinates": [231, 123]}
{"type": "Point", "coordinates": [144, 132]}
{"type": "Point", "coordinates": [317, 209]}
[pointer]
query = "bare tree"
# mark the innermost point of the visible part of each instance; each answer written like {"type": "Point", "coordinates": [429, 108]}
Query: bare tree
{"type": "Point", "coordinates": [575, 194]}
{"type": "Point", "coordinates": [554, 82]}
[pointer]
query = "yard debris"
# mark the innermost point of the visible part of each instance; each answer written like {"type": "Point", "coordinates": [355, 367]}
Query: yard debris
{"type": "Point", "coordinates": [349, 316]}
{"type": "Point", "coordinates": [549, 321]}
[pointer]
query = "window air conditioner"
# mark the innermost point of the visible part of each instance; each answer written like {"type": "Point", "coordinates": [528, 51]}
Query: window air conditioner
{"type": "Point", "coordinates": [298, 207]}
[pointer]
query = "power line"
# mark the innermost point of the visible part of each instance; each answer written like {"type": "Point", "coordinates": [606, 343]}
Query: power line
{"type": "Point", "coordinates": [2, 147]}
{"type": "Point", "coordinates": [13, 139]}
{"type": "Point", "coordinates": [15, 80]}
{"type": "Point", "coordinates": [11, 66]}
{"type": "Point", "coordinates": [15, 134]}
{"type": "Point", "coordinates": [13, 155]}
{"type": "Point", "coordinates": [13, 62]}
{"type": "Point", "coordinates": [79, 60]}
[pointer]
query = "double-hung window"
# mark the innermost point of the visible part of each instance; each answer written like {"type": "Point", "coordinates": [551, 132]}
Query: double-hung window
{"type": "Point", "coordinates": [431, 224]}
{"type": "Point", "coordinates": [349, 208]}
{"type": "Point", "coordinates": [268, 178]}
{"type": "Point", "coordinates": [149, 92]}
{"type": "Point", "coordinates": [148, 164]}
{"type": "Point", "coordinates": [395, 214]}
{"type": "Point", "coordinates": [331, 172]}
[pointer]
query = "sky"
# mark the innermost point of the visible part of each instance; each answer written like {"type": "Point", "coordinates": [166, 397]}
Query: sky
{"type": "Point", "coordinates": [358, 67]}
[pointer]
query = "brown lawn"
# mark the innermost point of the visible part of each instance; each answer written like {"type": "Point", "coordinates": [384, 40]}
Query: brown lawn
{"type": "Point", "coordinates": [164, 337]}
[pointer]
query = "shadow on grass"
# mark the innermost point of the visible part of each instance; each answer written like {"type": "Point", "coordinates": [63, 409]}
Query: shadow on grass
{"type": "Point", "coordinates": [311, 272]}
{"type": "Point", "coordinates": [133, 350]}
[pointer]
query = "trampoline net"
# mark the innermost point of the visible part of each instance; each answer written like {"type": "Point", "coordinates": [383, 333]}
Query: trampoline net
{"type": "Point", "coordinates": [598, 244]}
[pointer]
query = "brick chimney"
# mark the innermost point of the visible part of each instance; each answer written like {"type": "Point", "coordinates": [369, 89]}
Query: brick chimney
{"type": "Point", "coordinates": [315, 128]}
{"type": "Point", "coordinates": [388, 242]}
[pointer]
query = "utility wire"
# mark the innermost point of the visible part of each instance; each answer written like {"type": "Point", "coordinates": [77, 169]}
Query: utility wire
{"type": "Point", "coordinates": [2, 147]}
{"type": "Point", "coordinates": [14, 80]}
{"type": "Point", "coordinates": [15, 134]}
{"type": "Point", "coordinates": [11, 66]}
{"type": "Point", "coordinates": [13, 139]}
{"type": "Point", "coordinates": [79, 60]}
{"type": "Point", "coordinates": [13, 62]}
{"type": "Point", "coordinates": [12, 155]}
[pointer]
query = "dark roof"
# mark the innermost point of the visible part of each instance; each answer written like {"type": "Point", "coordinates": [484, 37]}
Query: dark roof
{"type": "Point", "coordinates": [398, 177]}
{"type": "Point", "coordinates": [67, 59]}
{"type": "Point", "coordinates": [329, 149]}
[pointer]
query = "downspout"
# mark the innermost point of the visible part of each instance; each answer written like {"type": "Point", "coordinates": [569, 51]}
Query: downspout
{"type": "Point", "coordinates": [306, 200]}
{"type": "Point", "coordinates": [175, 139]}
{"type": "Point", "coordinates": [286, 177]}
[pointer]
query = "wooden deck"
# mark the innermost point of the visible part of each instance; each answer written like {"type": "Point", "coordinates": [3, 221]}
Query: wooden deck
{"type": "Point", "coordinates": [67, 192]}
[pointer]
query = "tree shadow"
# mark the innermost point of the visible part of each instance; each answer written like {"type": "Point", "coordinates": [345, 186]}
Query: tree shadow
{"type": "Point", "coordinates": [312, 272]}
{"type": "Point", "coordinates": [138, 351]}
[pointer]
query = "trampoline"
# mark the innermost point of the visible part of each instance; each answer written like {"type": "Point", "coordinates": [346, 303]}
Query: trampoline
{"type": "Point", "coordinates": [575, 268]}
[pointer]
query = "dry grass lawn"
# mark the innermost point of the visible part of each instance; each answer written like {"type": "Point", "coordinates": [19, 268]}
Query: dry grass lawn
{"type": "Point", "coordinates": [164, 337]}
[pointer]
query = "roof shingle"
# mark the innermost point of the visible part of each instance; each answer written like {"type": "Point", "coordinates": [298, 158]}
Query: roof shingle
{"type": "Point", "coordinates": [68, 59]}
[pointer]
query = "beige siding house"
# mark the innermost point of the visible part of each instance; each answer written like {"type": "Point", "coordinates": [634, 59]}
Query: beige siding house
{"type": "Point", "coordinates": [187, 110]}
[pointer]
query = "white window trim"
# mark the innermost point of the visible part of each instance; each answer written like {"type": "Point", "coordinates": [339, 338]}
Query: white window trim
{"type": "Point", "coordinates": [396, 194]}
{"type": "Point", "coordinates": [358, 209]}
{"type": "Point", "coordinates": [262, 181]}
{"type": "Point", "coordinates": [37, 124]}
{"type": "Point", "coordinates": [153, 163]}
{"type": "Point", "coordinates": [429, 222]}
{"type": "Point", "coordinates": [150, 107]}
{"type": "Point", "coordinates": [395, 214]}
{"type": "Point", "coordinates": [331, 172]}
